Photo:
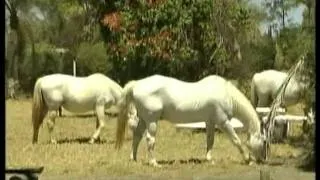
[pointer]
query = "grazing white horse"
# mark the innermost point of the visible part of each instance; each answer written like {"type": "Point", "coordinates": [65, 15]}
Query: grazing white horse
{"type": "Point", "coordinates": [212, 99]}
{"type": "Point", "coordinates": [75, 94]}
{"type": "Point", "coordinates": [265, 85]}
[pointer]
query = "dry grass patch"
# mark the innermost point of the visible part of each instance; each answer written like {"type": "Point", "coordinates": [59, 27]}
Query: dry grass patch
{"type": "Point", "coordinates": [181, 153]}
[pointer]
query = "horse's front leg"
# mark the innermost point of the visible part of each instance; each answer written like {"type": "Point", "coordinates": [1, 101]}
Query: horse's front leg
{"type": "Point", "coordinates": [50, 124]}
{"type": "Point", "coordinates": [60, 112]}
{"type": "Point", "coordinates": [151, 139]}
{"type": "Point", "coordinates": [97, 126]}
{"type": "Point", "coordinates": [100, 122]}
{"type": "Point", "coordinates": [210, 140]}
{"type": "Point", "coordinates": [229, 130]}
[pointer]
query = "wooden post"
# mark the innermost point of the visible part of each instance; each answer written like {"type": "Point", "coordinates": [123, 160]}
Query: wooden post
{"type": "Point", "coordinates": [74, 67]}
{"type": "Point", "coordinates": [265, 174]}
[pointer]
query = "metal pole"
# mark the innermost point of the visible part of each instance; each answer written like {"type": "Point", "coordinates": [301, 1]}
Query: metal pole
{"type": "Point", "coordinates": [74, 67]}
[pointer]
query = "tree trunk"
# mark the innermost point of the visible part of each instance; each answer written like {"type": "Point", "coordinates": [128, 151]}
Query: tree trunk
{"type": "Point", "coordinates": [18, 54]}
{"type": "Point", "coordinates": [283, 14]}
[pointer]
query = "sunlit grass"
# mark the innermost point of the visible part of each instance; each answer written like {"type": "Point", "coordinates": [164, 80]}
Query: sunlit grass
{"type": "Point", "coordinates": [175, 148]}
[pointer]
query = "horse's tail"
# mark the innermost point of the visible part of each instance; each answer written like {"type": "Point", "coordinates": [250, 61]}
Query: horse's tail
{"type": "Point", "coordinates": [39, 110]}
{"type": "Point", "coordinates": [123, 112]}
{"type": "Point", "coordinates": [254, 97]}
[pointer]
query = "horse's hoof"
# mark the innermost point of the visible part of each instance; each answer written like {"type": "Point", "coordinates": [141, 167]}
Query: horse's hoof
{"type": "Point", "coordinates": [155, 164]}
{"type": "Point", "coordinates": [91, 141]}
{"type": "Point", "coordinates": [98, 139]}
{"type": "Point", "coordinates": [250, 163]}
{"type": "Point", "coordinates": [212, 162]}
{"type": "Point", "coordinates": [131, 157]}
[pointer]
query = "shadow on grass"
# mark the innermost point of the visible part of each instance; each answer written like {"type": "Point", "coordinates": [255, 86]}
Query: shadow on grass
{"type": "Point", "coordinates": [80, 140]}
{"type": "Point", "coordinates": [273, 162]}
{"type": "Point", "coordinates": [87, 115]}
{"type": "Point", "coordinates": [85, 140]}
{"type": "Point", "coordinates": [182, 161]}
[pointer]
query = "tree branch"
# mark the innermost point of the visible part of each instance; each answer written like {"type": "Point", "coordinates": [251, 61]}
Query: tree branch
{"type": "Point", "coordinates": [8, 5]}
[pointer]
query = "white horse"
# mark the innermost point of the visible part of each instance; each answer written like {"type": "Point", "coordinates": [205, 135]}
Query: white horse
{"type": "Point", "coordinates": [75, 94]}
{"type": "Point", "coordinates": [212, 99]}
{"type": "Point", "coordinates": [265, 85]}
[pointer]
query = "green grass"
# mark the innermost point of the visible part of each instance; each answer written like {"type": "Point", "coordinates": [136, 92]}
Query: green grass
{"type": "Point", "coordinates": [73, 157]}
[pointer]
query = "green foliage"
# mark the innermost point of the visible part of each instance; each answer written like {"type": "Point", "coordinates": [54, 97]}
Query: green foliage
{"type": "Point", "coordinates": [44, 61]}
{"type": "Point", "coordinates": [92, 58]}
{"type": "Point", "coordinates": [66, 24]}
{"type": "Point", "coordinates": [186, 39]}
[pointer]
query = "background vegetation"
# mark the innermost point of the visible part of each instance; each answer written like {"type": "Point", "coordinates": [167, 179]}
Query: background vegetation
{"type": "Point", "coordinates": [130, 39]}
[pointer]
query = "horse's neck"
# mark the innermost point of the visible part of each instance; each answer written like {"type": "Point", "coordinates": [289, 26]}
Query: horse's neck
{"type": "Point", "coordinates": [295, 86]}
{"type": "Point", "coordinates": [243, 110]}
{"type": "Point", "coordinates": [117, 91]}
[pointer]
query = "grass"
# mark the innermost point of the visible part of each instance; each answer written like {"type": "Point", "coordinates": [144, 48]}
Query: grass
{"type": "Point", "coordinates": [181, 153]}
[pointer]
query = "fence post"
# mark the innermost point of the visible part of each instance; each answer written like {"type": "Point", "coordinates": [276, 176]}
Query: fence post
{"type": "Point", "coordinates": [74, 67]}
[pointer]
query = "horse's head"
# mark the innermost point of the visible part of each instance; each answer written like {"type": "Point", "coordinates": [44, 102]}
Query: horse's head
{"type": "Point", "coordinates": [258, 147]}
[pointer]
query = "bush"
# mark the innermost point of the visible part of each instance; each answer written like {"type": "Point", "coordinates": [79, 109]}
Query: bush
{"type": "Point", "coordinates": [92, 58]}
{"type": "Point", "coordinates": [43, 62]}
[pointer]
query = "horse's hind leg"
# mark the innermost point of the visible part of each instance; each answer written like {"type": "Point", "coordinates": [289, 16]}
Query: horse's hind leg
{"type": "Point", "coordinates": [229, 130]}
{"type": "Point", "coordinates": [151, 139]}
{"type": "Point", "coordinates": [100, 122]}
{"type": "Point", "coordinates": [50, 123]}
{"type": "Point", "coordinates": [97, 126]}
{"type": "Point", "coordinates": [60, 112]}
{"type": "Point", "coordinates": [264, 100]}
{"type": "Point", "coordinates": [137, 136]}
{"type": "Point", "coordinates": [210, 139]}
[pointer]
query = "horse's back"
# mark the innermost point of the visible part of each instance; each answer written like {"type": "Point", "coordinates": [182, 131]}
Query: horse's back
{"type": "Point", "coordinates": [104, 82]}
{"type": "Point", "coordinates": [170, 88]}
{"type": "Point", "coordinates": [179, 100]}
{"type": "Point", "coordinates": [98, 76]}
{"type": "Point", "coordinates": [78, 94]}
{"type": "Point", "coordinates": [54, 80]}
{"type": "Point", "coordinates": [268, 80]}
{"type": "Point", "coordinates": [270, 74]}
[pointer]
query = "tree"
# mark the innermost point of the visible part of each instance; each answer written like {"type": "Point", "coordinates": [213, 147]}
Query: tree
{"type": "Point", "coordinates": [172, 37]}
{"type": "Point", "coordinates": [64, 24]}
